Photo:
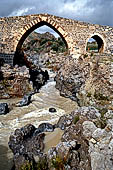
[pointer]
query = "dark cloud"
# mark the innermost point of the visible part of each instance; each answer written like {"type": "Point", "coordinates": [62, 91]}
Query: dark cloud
{"type": "Point", "coordinates": [103, 12]}
{"type": "Point", "coordinates": [94, 11]}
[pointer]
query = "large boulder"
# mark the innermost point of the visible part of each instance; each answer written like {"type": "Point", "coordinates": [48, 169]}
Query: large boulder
{"type": "Point", "coordinates": [85, 143]}
{"type": "Point", "coordinates": [94, 145]}
{"type": "Point", "coordinates": [14, 82]}
{"type": "Point", "coordinates": [27, 143]}
{"type": "Point", "coordinates": [18, 81]}
{"type": "Point", "coordinates": [44, 127]}
{"type": "Point", "coordinates": [24, 145]}
{"type": "Point", "coordinates": [87, 80]}
{"type": "Point", "coordinates": [26, 100]}
{"type": "Point", "coordinates": [4, 109]}
{"type": "Point", "coordinates": [70, 78]}
{"type": "Point", "coordinates": [38, 77]}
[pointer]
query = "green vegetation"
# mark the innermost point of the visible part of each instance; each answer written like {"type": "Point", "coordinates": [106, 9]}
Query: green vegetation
{"type": "Point", "coordinates": [88, 94]}
{"type": "Point", "coordinates": [76, 119]}
{"type": "Point", "coordinates": [27, 166]}
{"type": "Point", "coordinates": [85, 55]}
{"type": "Point", "coordinates": [100, 96]}
{"type": "Point", "coordinates": [92, 46]}
{"type": "Point", "coordinates": [103, 111]}
{"type": "Point", "coordinates": [54, 47]}
{"type": "Point", "coordinates": [33, 41]}
{"type": "Point", "coordinates": [58, 163]}
{"type": "Point", "coordinates": [42, 164]}
{"type": "Point", "coordinates": [102, 121]}
{"type": "Point", "coordinates": [92, 54]}
{"type": "Point", "coordinates": [41, 43]}
{"type": "Point", "coordinates": [36, 49]}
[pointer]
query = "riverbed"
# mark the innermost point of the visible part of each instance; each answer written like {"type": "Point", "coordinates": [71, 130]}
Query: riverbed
{"type": "Point", "coordinates": [35, 113]}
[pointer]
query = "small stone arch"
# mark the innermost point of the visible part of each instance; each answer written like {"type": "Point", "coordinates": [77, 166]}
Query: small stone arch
{"type": "Point", "coordinates": [40, 21]}
{"type": "Point", "coordinates": [100, 41]}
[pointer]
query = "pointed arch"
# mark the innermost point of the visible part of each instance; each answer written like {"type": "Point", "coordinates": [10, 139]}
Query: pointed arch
{"type": "Point", "coordinates": [41, 21]}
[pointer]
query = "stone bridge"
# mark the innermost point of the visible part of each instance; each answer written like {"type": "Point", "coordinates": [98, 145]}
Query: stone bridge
{"type": "Point", "coordinates": [14, 30]}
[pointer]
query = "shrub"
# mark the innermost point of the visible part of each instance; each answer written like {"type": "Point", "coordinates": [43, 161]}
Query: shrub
{"type": "Point", "coordinates": [85, 55]}
{"type": "Point", "coordinates": [76, 119]}
{"type": "Point", "coordinates": [42, 164]}
{"type": "Point", "coordinates": [27, 166]}
{"type": "Point", "coordinates": [103, 111]}
{"type": "Point", "coordinates": [43, 41]}
{"type": "Point", "coordinates": [54, 47]}
{"type": "Point", "coordinates": [58, 163]}
{"type": "Point", "coordinates": [88, 94]}
{"type": "Point", "coordinates": [100, 96]}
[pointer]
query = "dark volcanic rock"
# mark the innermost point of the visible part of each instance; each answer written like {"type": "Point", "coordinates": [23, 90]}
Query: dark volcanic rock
{"type": "Point", "coordinates": [64, 121]}
{"type": "Point", "coordinates": [44, 127]}
{"type": "Point", "coordinates": [26, 100]}
{"type": "Point", "coordinates": [38, 77]}
{"type": "Point", "coordinates": [52, 110]}
{"type": "Point", "coordinates": [85, 143]}
{"type": "Point", "coordinates": [25, 145]}
{"type": "Point", "coordinates": [4, 108]}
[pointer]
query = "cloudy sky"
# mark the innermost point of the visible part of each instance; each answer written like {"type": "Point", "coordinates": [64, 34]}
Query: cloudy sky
{"type": "Point", "coordinates": [93, 11]}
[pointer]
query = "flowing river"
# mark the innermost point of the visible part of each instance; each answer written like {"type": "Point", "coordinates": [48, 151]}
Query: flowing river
{"type": "Point", "coordinates": [35, 113]}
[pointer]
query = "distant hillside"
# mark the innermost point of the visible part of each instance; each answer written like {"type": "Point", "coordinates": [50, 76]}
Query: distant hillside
{"type": "Point", "coordinates": [37, 43]}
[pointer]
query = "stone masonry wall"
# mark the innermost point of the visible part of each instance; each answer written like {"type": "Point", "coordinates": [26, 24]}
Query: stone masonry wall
{"type": "Point", "coordinates": [13, 31]}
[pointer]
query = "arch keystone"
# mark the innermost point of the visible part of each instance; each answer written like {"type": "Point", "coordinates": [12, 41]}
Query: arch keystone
{"type": "Point", "coordinates": [44, 18]}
